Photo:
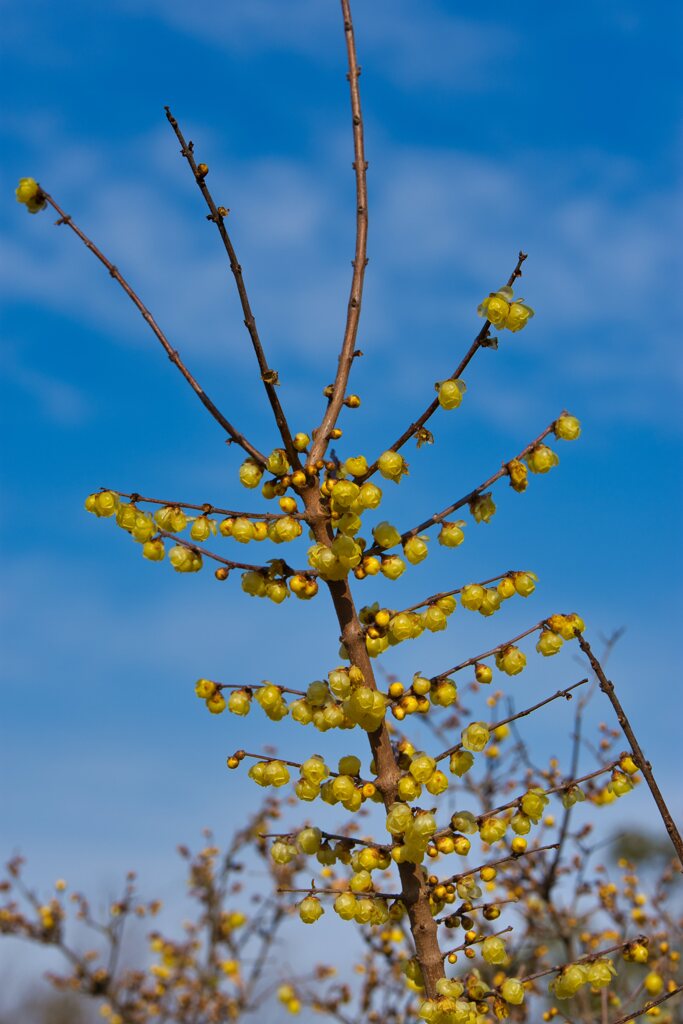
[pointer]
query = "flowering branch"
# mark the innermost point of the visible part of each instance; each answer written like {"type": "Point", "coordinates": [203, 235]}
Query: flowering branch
{"type": "Point", "coordinates": [488, 654]}
{"type": "Point", "coordinates": [503, 471]}
{"type": "Point", "coordinates": [458, 590]}
{"type": "Point", "coordinates": [555, 789]}
{"type": "Point", "coordinates": [478, 343]}
{"type": "Point", "coordinates": [191, 546]}
{"type": "Point", "coordinates": [206, 509]}
{"type": "Point", "coordinates": [172, 353]}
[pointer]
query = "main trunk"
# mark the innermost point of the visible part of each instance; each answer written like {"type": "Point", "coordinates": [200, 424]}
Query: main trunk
{"type": "Point", "coordinates": [413, 877]}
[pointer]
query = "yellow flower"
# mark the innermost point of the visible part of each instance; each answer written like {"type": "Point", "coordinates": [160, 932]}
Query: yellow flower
{"type": "Point", "coordinates": [495, 308]}
{"type": "Point", "coordinates": [28, 193]}
{"type": "Point", "coordinates": [518, 316]}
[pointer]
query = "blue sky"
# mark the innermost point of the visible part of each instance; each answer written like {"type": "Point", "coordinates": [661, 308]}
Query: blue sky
{"type": "Point", "coordinates": [545, 128]}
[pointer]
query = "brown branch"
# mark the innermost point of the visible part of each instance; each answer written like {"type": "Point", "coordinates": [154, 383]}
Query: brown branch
{"type": "Point", "coordinates": [191, 546]}
{"type": "Point", "coordinates": [371, 894]}
{"type": "Point", "coordinates": [501, 860]}
{"type": "Point", "coordinates": [583, 959]}
{"type": "Point", "coordinates": [172, 353]}
{"type": "Point", "coordinates": [481, 938]}
{"type": "Point", "coordinates": [458, 590]}
{"type": "Point", "coordinates": [322, 435]}
{"type": "Point", "coordinates": [566, 693]}
{"type": "Point", "coordinates": [554, 789]}
{"type": "Point", "coordinates": [327, 835]}
{"type": "Point", "coordinates": [268, 376]}
{"type": "Point", "coordinates": [298, 764]}
{"type": "Point", "coordinates": [638, 756]}
{"type": "Point", "coordinates": [251, 688]}
{"type": "Point", "coordinates": [648, 1006]}
{"type": "Point", "coordinates": [488, 654]}
{"type": "Point", "coordinates": [206, 509]}
{"type": "Point", "coordinates": [478, 342]}
{"type": "Point", "coordinates": [438, 517]}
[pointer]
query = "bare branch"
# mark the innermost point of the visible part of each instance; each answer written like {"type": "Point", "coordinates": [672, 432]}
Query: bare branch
{"type": "Point", "coordinates": [218, 215]}
{"type": "Point", "coordinates": [648, 1006]}
{"type": "Point", "coordinates": [172, 353]}
{"type": "Point", "coordinates": [638, 756]}
{"type": "Point", "coordinates": [322, 435]}
{"type": "Point", "coordinates": [566, 693]}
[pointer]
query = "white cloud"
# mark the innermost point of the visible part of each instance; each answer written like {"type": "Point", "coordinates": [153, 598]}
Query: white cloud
{"type": "Point", "coordinates": [445, 227]}
{"type": "Point", "coordinates": [438, 48]}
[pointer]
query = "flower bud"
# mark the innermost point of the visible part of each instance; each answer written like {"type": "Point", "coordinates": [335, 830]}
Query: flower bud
{"type": "Point", "coordinates": [301, 442]}
{"type": "Point", "coordinates": [483, 673]}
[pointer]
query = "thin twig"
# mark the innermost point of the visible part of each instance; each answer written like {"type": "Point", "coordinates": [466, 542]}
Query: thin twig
{"type": "Point", "coordinates": [553, 789]}
{"type": "Point", "coordinates": [459, 370]}
{"type": "Point", "coordinates": [268, 376]}
{"type": "Point", "coordinates": [638, 756]}
{"type": "Point", "coordinates": [501, 860]}
{"type": "Point", "coordinates": [322, 435]}
{"type": "Point", "coordinates": [206, 508]}
{"type": "Point", "coordinates": [191, 546]}
{"type": "Point", "coordinates": [566, 693]}
{"type": "Point", "coordinates": [648, 1006]}
{"type": "Point", "coordinates": [488, 654]}
{"type": "Point", "coordinates": [583, 959]}
{"type": "Point", "coordinates": [172, 353]}
{"type": "Point", "coordinates": [481, 938]}
{"type": "Point", "coordinates": [457, 590]}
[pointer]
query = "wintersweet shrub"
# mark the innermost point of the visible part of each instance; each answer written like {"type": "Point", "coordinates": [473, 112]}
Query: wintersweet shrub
{"type": "Point", "coordinates": [414, 872]}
